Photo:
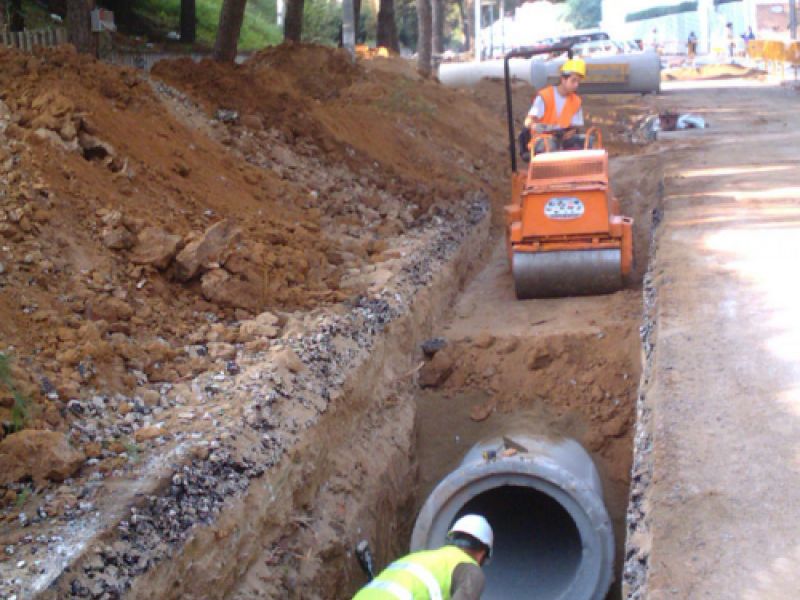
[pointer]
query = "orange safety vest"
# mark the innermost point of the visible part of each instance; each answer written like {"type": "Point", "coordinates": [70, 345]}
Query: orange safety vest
{"type": "Point", "coordinates": [571, 107]}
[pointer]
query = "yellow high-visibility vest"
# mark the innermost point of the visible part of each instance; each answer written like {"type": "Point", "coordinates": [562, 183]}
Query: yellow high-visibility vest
{"type": "Point", "coordinates": [424, 575]}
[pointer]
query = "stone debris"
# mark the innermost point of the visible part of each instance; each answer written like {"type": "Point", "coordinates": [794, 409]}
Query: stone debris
{"type": "Point", "coordinates": [432, 346]}
{"type": "Point", "coordinates": [166, 333]}
{"type": "Point", "coordinates": [206, 249]}
{"type": "Point", "coordinates": [156, 247]}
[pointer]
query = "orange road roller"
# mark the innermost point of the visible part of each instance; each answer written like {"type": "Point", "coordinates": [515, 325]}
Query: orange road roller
{"type": "Point", "coordinates": [564, 232]}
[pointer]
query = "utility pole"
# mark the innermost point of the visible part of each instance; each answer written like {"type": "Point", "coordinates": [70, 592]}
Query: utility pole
{"type": "Point", "coordinates": [503, 25]}
{"type": "Point", "coordinates": [348, 27]}
{"type": "Point", "coordinates": [793, 19]}
{"type": "Point", "coordinates": [491, 31]}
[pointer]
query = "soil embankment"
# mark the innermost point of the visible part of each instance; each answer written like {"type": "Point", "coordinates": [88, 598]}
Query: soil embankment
{"type": "Point", "coordinates": [192, 267]}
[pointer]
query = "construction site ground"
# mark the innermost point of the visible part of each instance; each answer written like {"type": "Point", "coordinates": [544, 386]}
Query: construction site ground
{"type": "Point", "coordinates": [216, 282]}
{"type": "Point", "coordinates": [714, 499]}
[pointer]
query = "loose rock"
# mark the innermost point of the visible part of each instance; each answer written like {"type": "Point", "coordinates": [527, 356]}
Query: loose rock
{"type": "Point", "coordinates": [155, 247]}
{"type": "Point", "coordinates": [38, 454]}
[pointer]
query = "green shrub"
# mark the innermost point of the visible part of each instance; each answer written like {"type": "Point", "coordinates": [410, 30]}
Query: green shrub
{"type": "Point", "coordinates": [20, 411]}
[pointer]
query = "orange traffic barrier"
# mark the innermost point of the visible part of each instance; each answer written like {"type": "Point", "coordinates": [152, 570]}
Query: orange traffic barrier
{"type": "Point", "coordinates": [793, 53]}
{"type": "Point", "coordinates": [755, 49]}
{"type": "Point", "coordinates": [774, 54]}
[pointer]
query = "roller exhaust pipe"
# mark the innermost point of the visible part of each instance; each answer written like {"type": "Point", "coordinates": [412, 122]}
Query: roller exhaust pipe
{"type": "Point", "coordinates": [544, 500]}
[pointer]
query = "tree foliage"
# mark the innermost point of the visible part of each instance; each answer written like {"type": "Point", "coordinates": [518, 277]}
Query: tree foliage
{"type": "Point", "coordinates": [322, 22]}
{"type": "Point", "coordinates": [584, 14]}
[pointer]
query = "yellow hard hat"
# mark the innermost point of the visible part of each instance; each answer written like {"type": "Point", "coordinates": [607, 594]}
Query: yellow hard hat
{"type": "Point", "coordinates": [574, 65]}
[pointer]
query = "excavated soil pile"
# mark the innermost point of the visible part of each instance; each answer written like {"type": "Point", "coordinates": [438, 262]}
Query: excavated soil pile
{"type": "Point", "coordinates": [591, 378]}
{"type": "Point", "coordinates": [401, 134]}
{"type": "Point", "coordinates": [144, 224]}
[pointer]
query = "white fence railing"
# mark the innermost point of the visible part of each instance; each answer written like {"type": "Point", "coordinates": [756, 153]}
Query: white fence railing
{"type": "Point", "coordinates": [30, 38]}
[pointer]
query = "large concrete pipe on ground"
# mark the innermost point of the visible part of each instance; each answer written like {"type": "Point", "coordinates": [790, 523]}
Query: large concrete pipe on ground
{"type": "Point", "coordinates": [636, 73]}
{"type": "Point", "coordinates": [465, 74]}
{"type": "Point", "coordinates": [544, 500]}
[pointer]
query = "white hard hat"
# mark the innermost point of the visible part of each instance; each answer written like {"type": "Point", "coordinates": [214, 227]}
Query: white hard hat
{"type": "Point", "coordinates": [477, 527]}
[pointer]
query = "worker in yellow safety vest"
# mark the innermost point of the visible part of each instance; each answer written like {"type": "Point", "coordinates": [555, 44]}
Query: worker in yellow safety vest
{"type": "Point", "coordinates": [557, 108]}
{"type": "Point", "coordinates": [452, 572]}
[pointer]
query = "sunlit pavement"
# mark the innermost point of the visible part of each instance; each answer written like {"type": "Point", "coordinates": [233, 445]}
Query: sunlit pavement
{"type": "Point", "coordinates": [723, 506]}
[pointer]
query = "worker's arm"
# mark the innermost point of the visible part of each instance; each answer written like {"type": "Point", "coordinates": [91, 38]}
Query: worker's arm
{"type": "Point", "coordinates": [577, 121]}
{"type": "Point", "coordinates": [535, 113]}
{"type": "Point", "coordinates": [467, 582]}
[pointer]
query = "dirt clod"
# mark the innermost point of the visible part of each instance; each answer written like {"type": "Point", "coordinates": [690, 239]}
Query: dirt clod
{"type": "Point", "coordinates": [37, 454]}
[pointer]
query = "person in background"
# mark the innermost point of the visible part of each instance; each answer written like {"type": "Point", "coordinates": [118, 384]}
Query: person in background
{"type": "Point", "coordinates": [691, 47]}
{"type": "Point", "coordinates": [654, 44]}
{"type": "Point", "coordinates": [730, 39]}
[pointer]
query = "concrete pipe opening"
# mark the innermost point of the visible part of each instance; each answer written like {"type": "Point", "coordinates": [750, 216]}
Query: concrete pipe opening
{"type": "Point", "coordinates": [544, 500]}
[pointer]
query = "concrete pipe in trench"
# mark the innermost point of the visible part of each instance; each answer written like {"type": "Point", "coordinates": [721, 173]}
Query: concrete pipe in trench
{"type": "Point", "coordinates": [544, 500]}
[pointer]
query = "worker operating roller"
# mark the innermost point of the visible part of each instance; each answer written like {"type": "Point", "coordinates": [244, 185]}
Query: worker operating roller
{"type": "Point", "coordinates": [557, 108]}
{"type": "Point", "coordinates": [565, 236]}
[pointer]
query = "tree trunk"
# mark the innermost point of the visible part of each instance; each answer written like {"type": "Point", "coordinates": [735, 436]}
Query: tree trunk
{"type": "Point", "coordinates": [357, 20]}
{"type": "Point", "coordinates": [348, 30]}
{"type": "Point", "coordinates": [293, 23]}
{"type": "Point", "coordinates": [424, 37]}
{"type": "Point", "coordinates": [387, 27]}
{"type": "Point", "coordinates": [188, 21]}
{"type": "Point", "coordinates": [437, 25]}
{"type": "Point", "coordinates": [467, 22]}
{"type": "Point", "coordinates": [230, 25]}
{"type": "Point", "coordinates": [79, 25]}
{"type": "Point", "coordinates": [16, 21]}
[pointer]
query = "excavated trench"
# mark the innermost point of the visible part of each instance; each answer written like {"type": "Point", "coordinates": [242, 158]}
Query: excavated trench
{"type": "Point", "coordinates": [526, 415]}
{"type": "Point", "coordinates": [522, 401]}
{"type": "Point", "coordinates": [544, 394]}
{"type": "Point", "coordinates": [547, 391]}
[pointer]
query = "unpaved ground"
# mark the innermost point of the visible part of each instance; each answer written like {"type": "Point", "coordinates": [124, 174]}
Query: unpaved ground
{"type": "Point", "coordinates": [270, 436]}
{"type": "Point", "coordinates": [146, 231]}
{"type": "Point", "coordinates": [707, 72]}
{"type": "Point", "coordinates": [109, 180]}
{"type": "Point", "coordinates": [714, 503]}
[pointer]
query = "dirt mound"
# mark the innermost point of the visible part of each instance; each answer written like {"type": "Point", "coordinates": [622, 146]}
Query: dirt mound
{"type": "Point", "coordinates": [99, 177]}
{"type": "Point", "coordinates": [140, 224]}
{"type": "Point", "coordinates": [406, 136]}
{"type": "Point", "coordinates": [707, 72]}
{"type": "Point", "coordinates": [594, 376]}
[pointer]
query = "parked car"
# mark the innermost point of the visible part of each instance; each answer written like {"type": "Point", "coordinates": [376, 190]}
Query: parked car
{"type": "Point", "coordinates": [573, 37]}
{"type": "Point", "coordinates": [598, 48]}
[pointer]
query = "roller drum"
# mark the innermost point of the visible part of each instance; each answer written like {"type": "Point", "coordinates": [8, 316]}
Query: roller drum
{"type": "Point", "coordinates": [566, 273]}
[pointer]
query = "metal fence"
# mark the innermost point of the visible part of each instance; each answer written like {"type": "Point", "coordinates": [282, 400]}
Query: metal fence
{"type": "Point", "coordinates": [30, 38]}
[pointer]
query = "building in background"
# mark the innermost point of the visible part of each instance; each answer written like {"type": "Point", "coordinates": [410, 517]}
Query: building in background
{"type": "Point", "coordinates": [529, 23]}
{"type": "Point", "coordinates": [674, 20]}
